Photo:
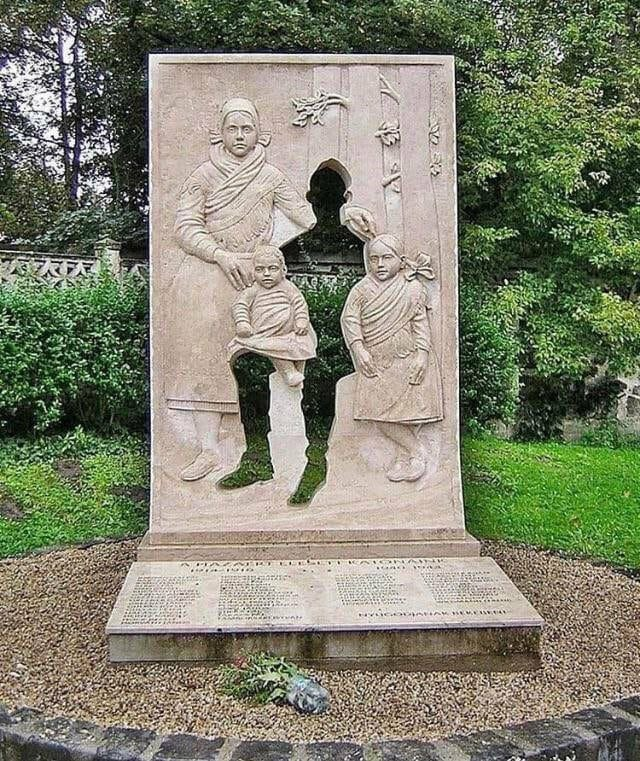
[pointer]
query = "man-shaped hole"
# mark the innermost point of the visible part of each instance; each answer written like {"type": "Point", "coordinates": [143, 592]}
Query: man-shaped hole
{"type": "Point", "coordinates": [324, 263]}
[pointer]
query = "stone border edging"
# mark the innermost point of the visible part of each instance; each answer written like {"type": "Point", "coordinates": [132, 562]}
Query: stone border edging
{"type": "Point", "coordinates": [611, 733]}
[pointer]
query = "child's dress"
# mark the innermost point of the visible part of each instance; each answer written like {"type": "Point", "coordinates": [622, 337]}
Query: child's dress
{"type": "Point", "coordinates": [390, 318]}
{"type": "Point", "coordinates": [272, 313]}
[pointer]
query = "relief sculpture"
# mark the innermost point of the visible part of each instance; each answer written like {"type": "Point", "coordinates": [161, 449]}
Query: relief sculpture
{"type": "Point", "coordinates": [225, 212]}
{"type": "Point", "coordinates": [386, 327]}
{"type": "Point", "coordinates": [235, 150]}
{"type": "Point", "coordinates": [272, 319]}
{"type": "Point", "coordinates": [224, 204]}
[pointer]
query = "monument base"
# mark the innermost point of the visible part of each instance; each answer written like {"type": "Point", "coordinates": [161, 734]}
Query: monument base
{"type": "Point", "coordinates": [476, 649]}
{"type": "Point", "coordinates": [397, 613]}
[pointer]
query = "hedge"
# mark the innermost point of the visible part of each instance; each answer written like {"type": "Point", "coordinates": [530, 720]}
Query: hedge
{"type": "Point", "coordinates": [73, 356]}
{"type": "Point", "coordinates": [79, 356]}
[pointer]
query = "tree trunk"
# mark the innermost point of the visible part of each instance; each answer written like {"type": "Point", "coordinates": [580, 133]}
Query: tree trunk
{"type": "Point", "coordinates": [78, 133]}
{"type": "Point", "coordinates": [64, 108]}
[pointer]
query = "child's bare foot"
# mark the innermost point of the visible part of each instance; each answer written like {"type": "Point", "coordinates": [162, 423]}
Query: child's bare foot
{"type": "Point", "coordinates": [293, 378]}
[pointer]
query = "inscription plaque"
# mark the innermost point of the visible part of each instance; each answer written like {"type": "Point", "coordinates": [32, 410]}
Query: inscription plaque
{"type": "Point", "coordinates": [160, 600]}
{"type": "Point", "coordinates": [253, 596]}
{"type": "Point", "coordinates": [323, 595]}
{"type": "Point", "coordinates": [369, 589]}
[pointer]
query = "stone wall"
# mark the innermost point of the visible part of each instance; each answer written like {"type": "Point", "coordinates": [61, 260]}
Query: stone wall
{"type": "Point", "coordinates": [609, 733]}
{"type": "Point", "coordinates": [629, 404]}
{"type": "Point", "coordinates": [61, 270]}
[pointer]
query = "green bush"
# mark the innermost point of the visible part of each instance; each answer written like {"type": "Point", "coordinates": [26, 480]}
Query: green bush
{"type": "Point", "coordinates": [78, 356]}
{"type": "Point", "coordinates": [74, 355]}
{"type": "Point", "coordinates": [325, 302]}
{"type": "Point", "coordinates": [333, 361]}
{"type": "Point", "coordinates": [488, 356]}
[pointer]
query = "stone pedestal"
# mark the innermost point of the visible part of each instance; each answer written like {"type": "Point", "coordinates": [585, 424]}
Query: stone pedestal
{"type": "Point", "coordinates": [407, 614]}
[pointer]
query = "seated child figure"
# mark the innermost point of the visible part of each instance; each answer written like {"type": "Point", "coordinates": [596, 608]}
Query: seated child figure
{"type": "Point", "coordinates": [386, 327]}
{"type": "Point", "coordinates": [272, 318]}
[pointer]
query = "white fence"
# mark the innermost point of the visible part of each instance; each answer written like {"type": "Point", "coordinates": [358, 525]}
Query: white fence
{"type": "Point", "coordinates": [62, 270]}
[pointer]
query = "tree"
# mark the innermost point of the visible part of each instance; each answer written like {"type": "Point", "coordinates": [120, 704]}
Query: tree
{"type": "Point", "coordinates": [548, 141]}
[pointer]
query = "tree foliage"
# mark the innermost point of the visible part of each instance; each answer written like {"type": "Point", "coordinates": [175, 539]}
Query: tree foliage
{"type": "Point", "coordinates": [548, 141]}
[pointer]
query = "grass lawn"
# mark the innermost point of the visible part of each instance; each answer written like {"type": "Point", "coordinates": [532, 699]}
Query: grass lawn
{"type": "Point", "coordinates": [71, 489]}
{"type": "Point", "coordinates": [579, 499]}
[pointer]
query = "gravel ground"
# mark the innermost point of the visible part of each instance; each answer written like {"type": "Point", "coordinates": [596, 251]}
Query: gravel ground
{"type": "Point", "coordinates": [53, 656]}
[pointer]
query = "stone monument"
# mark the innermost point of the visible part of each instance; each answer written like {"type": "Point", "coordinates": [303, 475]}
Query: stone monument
{"type": "Point", "coordinates": [377, 570]}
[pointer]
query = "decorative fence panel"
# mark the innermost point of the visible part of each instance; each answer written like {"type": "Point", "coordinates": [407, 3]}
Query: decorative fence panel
{"type": "Point", "coordinates": [62, 270]}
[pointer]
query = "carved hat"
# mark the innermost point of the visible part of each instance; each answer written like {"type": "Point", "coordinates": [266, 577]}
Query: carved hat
{"type": "Point", "coordinates": [244, 105]}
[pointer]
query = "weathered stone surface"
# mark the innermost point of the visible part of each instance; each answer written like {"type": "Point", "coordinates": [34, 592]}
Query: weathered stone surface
{"type": "Point", "coordinates": [600, 733]}
{"type": "Point", "coordinates": [598, 721]}
{"type": "Point", "coordinates": [630, 705]}
{"type": "Point", "coordinates": [259, 750]}
{"type": "Point", "coordinates": [403, 750]}
{"type": "Point", "coordinates": [485, 746]}
{"type": "Point", "coordinates": [333, 751]}
{"type": "Point", "coordinates": [185, 747]}
{"type": "Point", "coordinates": [25, 714]}
{"type": "Point", "coordinates": [52, 739]}
{"type": "Point", "coordinates": [545, 736]}
{"type": "Point", "coordinates": [124, 744]}
{"type": "Point", "coordinates": [613, 736]}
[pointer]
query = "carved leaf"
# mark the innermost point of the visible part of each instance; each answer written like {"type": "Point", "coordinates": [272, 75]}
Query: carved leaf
{"type": "Point", "coordinates": [434, 132]}
{"type": "Point", "coordinates": [314, 107]}
{"type": "Point", "coordinates": [436, 164]}
{"type": "Point", "coordinates": [389, 132]}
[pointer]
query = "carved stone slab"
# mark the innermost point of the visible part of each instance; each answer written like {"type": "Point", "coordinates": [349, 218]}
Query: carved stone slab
{"type": "Point", "coordinates": [235, 140]}
{"type": "Point", "coordinates": [224, 599]}
{"type": "Point", "coordinates": [377, 570]}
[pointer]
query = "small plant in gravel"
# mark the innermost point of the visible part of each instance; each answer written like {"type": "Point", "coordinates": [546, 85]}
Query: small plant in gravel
{"type": "Point", "coordinates": [261, 677]}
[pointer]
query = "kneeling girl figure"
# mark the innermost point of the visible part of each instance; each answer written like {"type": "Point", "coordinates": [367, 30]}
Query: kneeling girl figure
{"type": "Point", "coordinates": [386, 327]}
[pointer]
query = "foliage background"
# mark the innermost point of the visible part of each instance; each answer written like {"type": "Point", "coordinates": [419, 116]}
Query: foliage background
{"type": "Point", "coordinates": [73, 356]}
{"type": "Point", "coordinates": [548, 151]}
{"type": "Point", "coordinates": [78, 357]}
